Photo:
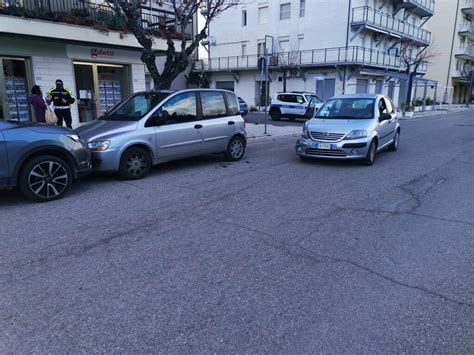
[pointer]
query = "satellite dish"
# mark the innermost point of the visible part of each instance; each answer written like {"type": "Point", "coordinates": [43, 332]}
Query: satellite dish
{"type": "Point", "coordinates": [212, 40]}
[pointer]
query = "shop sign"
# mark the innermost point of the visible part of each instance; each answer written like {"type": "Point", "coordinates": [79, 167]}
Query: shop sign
{"type": "Point", "coordinates": [110, 55]}
{"type": "Point", "coordinates": [102, 53]}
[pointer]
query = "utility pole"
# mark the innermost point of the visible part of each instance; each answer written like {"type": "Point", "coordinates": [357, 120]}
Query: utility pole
{"type": "Point", "coordinates": [469, 90]}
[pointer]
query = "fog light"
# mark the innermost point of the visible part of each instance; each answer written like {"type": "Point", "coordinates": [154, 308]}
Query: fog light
{"type": "Point", "coordinates": [354, 151]}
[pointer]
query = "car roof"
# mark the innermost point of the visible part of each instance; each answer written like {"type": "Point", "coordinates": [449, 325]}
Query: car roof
{"type": "Point", "coordinates": [175, 91]}
{"type": "Point", "coordinates": [357, 96]}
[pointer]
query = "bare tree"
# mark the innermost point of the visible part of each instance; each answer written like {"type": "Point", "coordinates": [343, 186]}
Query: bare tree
{"type": "Point", "coordinates": [177, 59]}
{"type": "Point", "coordinates": [413, 63]}
{"type": "Point", "coordinates": [287, 62]}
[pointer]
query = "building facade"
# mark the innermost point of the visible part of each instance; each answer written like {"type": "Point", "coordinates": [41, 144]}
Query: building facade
{"type": "Point", "coordinates": [83, 43]}
{"type": "Point", "coordinates": [453, 34]}
{"type": "Point", "coordinates": [326, 47]}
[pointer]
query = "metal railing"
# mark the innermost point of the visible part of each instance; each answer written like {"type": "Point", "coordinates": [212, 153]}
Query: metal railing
{"type": "Point", "coordinates": [379, 19]}
{"type": "Point", "coordinates": [428, 5]}
{"type": "Point", "coordinates": [466, 27]}
{"type": "Point", "coordinates": [86, 13]}
{"type": "Point", "coordinates": [466, 51]}
{"type": "Point", "coordinates": [308, 58]}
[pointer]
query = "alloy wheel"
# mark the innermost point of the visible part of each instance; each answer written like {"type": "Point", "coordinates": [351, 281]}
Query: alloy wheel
{"type": "Point", "coordinates": [48, 179]}
{"type": "Point", "coordinates": [236, 149]}
{"type": "Point", "coordinates": [136, 164]}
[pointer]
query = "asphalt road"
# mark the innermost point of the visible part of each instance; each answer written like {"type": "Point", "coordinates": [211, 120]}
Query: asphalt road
{"type": "Point", "coordinates": [266, 255]}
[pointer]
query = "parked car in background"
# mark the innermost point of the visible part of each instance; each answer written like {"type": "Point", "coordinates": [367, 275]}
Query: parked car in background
{"type": "Point", "coordinates": [153, 127]}
{"type": "Point", "coordinates": [293, 105]}
{"type": "Point", "coordinates": [41, 160]}
{"type": "Point", "coordinates": [244, 108]}
{"type": "Point", "coordinates": [351, 127]}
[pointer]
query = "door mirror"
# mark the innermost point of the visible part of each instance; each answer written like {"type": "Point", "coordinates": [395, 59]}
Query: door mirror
{"type": "Point", "coordinates": [385, 117]}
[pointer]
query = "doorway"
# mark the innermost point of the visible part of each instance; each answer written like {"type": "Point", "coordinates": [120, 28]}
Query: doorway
{"type": "Point", "coordinates": [14, 90]}
{"type": "Point", "coordinates": [99, 88]}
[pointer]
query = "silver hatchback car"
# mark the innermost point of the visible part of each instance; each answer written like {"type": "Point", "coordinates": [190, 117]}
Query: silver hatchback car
{"type": "Point", "coordinates": [159, 126]}
{"type": "Point", "coordinates": [351, 127]}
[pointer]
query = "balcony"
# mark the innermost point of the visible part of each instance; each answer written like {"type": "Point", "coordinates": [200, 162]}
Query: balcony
{"type": "Point", "coordinates": [466, 30]}
{"type": "Point", "coordinates": [68, 15]}
{"type": "Point", "coordinates": [326, 57]}
{"type": "Point", "coordinates": [383, 23]}
{"type": "Point", "coordinates": [467, 7]}
{"type": "Point", "coordinates": [466, 53]}
{"type": "Point", "coordinates": [423, 8]}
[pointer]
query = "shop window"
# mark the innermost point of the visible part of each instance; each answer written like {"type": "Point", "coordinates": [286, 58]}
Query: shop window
{"type": "Point", "coordinates": [16, 91]}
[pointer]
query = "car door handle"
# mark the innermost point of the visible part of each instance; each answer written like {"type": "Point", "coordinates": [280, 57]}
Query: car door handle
{"type": "Point", "coordinates": [198, 126]}
{"type": "Point", "coordinates": [230, 123]}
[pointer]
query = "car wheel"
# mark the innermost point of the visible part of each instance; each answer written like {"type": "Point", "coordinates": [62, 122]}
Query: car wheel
{"type": "Point", "coordinates": [396, 141]}
{"type": "Point", "coordinates": [371, 153]}
{"type": "Point", "coordinates": [276, 115]}
{"type": "Point", "coordinates": [235, 149]}
{"type": "Point", "coordinates": [45, 178]}
{"type": "Point", "coordinates": [135, 164]}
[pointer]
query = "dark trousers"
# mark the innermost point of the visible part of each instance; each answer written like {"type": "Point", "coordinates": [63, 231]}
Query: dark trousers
{"type": "Point", "coordinates": [64, 115]}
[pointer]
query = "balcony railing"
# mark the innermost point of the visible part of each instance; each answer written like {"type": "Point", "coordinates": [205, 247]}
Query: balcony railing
{"type": "Point", "coordinates": [308, 58]}
{"type": "Point", "coordinates": [466, 52]}
{"type": "Point", "coordinates": [466, 29]}
{"type": "Point", "coordinates": [380, 20]}
{"type": "Point", "coordinates": [85, 13]}
{"type": "Point", "coordinates": [424, 8]}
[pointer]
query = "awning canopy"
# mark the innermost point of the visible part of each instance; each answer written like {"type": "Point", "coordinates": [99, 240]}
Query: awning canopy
{"type": "Point", "coordinates": [394, 74]}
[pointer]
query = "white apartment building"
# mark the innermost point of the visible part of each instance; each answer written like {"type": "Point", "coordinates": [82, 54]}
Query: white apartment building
{"type": "Point", "coordinates": [84, 43]}
{"type": "Point", "coordinates": [332, 47]}
{"type": "Point", "coordinates": [453, 33]}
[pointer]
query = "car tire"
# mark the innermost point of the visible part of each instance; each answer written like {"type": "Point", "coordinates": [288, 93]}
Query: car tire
{"type": "Point", "coordinates": [235, 149]}
{"type": "Point", "coordinates": [134, 164]}
{"type": "Point", "coordinates": [396, 141]}
{"type": "Point", "coordinates": [371, 153]}
{"type": "Point", "coordinates": [275, 115]}
{"type": "Point", "coordinates": [45, 178]}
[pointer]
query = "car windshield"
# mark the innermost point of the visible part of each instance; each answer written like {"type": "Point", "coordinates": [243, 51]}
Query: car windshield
{"type": "Point", "coordinates": [316, 99]}
{"type": "Point", "coordinates": [135, 107]}
{"type": "Point", "coordinates": [347, 108]}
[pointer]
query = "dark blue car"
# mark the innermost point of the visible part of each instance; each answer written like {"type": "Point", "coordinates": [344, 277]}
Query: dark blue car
{"type": "Point", "coordinates": [41, 160]}
{"type": "Point", "coordinates": [244, 109]}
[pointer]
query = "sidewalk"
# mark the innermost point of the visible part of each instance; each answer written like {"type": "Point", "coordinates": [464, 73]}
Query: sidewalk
{"type": "Point", "coordinates": [257, 130]}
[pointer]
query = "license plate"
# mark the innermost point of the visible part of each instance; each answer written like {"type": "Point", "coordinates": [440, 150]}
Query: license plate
{"type": "Point", "coordinates": [325, 146]}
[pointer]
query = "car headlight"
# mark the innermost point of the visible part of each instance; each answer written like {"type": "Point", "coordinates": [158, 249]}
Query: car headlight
{"type": "Point", "coordinates": [305, 132]}
{"type": "Point", "coordinates": [98, 146]}
{"type": "Point", "coordinates": [74, 137]}
{"type": "Point", "coordinates": [356, 134]}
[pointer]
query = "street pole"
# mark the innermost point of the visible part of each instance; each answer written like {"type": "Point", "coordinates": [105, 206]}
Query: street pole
{"type": "Point", "coordinates": [266, 88]}
{"type": "Point", "coordinates": [260, 93]}
{"type": "Point", "coordinates": [469, 93]}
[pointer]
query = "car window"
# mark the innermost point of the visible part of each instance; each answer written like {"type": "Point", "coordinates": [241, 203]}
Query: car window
{"type": "Point", "coordinates": [283, 98]}
{"type": "Point", "coordinates": [316, 98]}
{"type": "Point", "coordinates": [299, 99]}
{"type": "Point", "coordinates": [213, 104]}
{"type": "Point", "coordinates": [179, 109]}
{"type": "Point", "coordinates": [382, 107]}
{"type": "Point", "coordinates": [233, 103]}
{"type": "Point", "coordinates": [347, 108]}
{"type": "Point", "coordinates": [135, 107]}
{"type": "Point", "coordinates": [389, 105]}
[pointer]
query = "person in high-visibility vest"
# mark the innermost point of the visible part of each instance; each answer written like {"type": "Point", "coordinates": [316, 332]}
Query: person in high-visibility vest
{"type": "Point", "coordinates": [62, 99]}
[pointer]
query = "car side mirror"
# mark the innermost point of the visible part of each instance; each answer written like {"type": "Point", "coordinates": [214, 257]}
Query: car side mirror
{"type": "Point", "coordinates": [385, 117]}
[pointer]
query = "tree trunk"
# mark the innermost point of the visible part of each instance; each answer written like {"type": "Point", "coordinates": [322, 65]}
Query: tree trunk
{"type": "Point", "coordinates": [411, 76]}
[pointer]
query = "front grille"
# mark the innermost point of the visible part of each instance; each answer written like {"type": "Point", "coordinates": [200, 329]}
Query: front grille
{"type": "Point", "coordinates": [326, 153]}
{"type": "Point", "coordinates": [326, 136]}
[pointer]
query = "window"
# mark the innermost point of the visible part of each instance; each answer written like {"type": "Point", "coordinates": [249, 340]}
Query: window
{"type": "Point", "coordinates": [347, 108]}
{"type": "Point", "coordinates": [284, 45]}
{"type": "Point", "coordinates": [382, 107]}
{"type": "Point", "coordinates": [300, 42]}
{"type": "Point", "coordinates": [302, 8]}
{"type": "Point", "coordinates": [179, 109]}
{"type": "Point", "coordinates": [389, 105]}
{"type": "Point", "coordinates": [233, 102]}
{"type": "Point", "coordinates": [299, 99]}
{"type": "Point", "coordinates": [244, 18]}
{"type": "Point", "coordinates": [244, 49]}
{"type": "Point", "coordinates": [263, 15]}
{"type": "Point", "coordinates": [261, 49]}
{"type": "Point", "coordinates": [285, 11]}
{"type": "Point", "coordinates": [213, 104]}
{"type": "Point", "coordinates": [134, 108]}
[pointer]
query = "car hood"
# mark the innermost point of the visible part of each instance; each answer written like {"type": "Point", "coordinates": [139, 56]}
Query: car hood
{"type": "Point", "coordinates": [102, 129]}
{"type": "Point", "coordinates": [342, 126]}
{"type": "Point", "coordinates": [36, 127]}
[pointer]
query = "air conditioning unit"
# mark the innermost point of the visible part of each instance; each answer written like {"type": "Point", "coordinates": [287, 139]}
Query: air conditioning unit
{"type": "Point", "coordinates": [294, 73]}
